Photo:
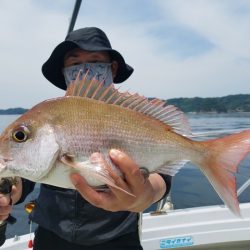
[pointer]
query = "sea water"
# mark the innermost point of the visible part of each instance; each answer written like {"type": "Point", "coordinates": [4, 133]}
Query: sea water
{"type": "Point", "coordinates": [189, 187]}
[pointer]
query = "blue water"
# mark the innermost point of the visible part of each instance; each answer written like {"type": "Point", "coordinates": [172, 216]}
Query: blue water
{"type": "Point", "coordinates": [189, 188]}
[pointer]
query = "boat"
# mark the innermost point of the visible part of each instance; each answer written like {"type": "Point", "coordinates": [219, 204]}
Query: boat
{"type": "Point", "coordinates": [207, 227]}
{"type": "Point", "coordinates": [210, 227]}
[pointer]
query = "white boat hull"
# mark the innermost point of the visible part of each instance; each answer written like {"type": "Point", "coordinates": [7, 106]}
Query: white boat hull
{"type": "Point", "coordinates": [212, 227]}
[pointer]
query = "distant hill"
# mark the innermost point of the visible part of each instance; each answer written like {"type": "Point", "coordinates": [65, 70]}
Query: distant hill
{"type": "Point", "coordinates": [231, 103]}
{"type": "Point", "coordinates": [12, 111]}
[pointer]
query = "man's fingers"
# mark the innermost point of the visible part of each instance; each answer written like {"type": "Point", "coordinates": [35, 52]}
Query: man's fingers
{"type": "Point", "coordinates": [4, 217]}
{"type": "Point", "coordinates": [5, 210]}
{"type": "Point", "coordinates": [4, 200]}
{"type": "Point", "coordinates": [132, 173]}
{"type": "Point", "coordinates": [118, 180]}
{"type": "Point", "coordinates": [86, 191]}
{"type": "Point", "coordinates": [105, 200]}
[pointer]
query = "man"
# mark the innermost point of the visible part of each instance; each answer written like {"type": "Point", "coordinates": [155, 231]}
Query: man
{"type": "Point", "coordinates": [85, 218]}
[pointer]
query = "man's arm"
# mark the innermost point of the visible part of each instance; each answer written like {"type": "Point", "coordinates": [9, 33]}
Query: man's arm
{"type": "Point", "coordinates": [145, 191]}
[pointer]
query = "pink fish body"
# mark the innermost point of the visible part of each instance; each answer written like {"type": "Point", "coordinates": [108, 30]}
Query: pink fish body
{"type": "Point", "coordinates": [58, 136]}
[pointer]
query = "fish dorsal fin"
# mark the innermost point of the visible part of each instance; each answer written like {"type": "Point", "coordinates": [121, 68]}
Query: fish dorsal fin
{"type": "Point", "coordinates": [93, 89]}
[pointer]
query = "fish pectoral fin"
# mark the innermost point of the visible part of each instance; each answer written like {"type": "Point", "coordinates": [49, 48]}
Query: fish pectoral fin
{"type": "Point", "coordinates": [99, 170]}
{"type": "Point", "coordinates": [110, 182]}
{"type": "Point", "coordinates": [68, 160]}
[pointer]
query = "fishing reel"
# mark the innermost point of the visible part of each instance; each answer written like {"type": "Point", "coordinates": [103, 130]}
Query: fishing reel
{"type": "Point", "coordinates": [5, 189]}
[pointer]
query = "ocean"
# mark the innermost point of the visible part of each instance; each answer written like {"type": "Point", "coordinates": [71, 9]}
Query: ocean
{"type": "Point", "coordinates": [189, 187]}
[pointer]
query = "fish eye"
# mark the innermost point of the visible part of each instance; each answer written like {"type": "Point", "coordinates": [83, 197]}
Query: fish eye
{"type": "Point", "coordinates": [20, 134]}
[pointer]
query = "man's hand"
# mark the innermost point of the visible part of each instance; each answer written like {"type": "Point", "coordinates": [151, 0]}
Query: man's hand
{"type": "Point", "coordinates": [6, 200]}
{"type": "Point", "coordinates": [5, 207]}
{"type": "Point", "coordinates": [145, 190]}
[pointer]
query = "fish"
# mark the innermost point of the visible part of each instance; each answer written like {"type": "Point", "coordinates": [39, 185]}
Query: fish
{"type": "Point", "coordinates": [58, 136]}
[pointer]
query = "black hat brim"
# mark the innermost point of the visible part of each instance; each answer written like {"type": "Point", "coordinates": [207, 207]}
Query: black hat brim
{"type": "Point", "coordinates": [52, 68]}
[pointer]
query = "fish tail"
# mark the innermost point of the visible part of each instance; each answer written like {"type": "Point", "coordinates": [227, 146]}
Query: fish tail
{"type": "Point", "coordinates": [221, 163]}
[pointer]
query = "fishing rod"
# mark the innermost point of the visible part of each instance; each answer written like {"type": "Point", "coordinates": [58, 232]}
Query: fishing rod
{"type": "Point", "coordinates": [74, 15]}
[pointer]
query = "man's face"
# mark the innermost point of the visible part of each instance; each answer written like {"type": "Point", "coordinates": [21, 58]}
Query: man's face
{"type": "Point", "coordinates": [79, 56]}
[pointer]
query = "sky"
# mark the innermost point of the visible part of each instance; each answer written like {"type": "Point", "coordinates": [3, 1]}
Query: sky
{"type": "Point", "coordinates": [178, 48]}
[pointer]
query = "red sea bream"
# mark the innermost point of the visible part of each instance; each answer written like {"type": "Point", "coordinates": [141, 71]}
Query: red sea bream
{"type": "Point", "coordinates": [58, 136]}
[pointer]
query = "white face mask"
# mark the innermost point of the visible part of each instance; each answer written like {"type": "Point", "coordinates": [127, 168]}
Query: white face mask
{"type": "Point", "coordinates": [101, 71]}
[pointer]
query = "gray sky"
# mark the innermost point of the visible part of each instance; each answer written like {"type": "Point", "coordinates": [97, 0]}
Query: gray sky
{"type": "Point", "coordinates": [179, 48]}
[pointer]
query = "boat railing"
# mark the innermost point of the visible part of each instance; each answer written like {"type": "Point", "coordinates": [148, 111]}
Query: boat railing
{"type": "Point", "coordinates": [166, 204]}
{"type": "Point", "coordinates": [243, 187]}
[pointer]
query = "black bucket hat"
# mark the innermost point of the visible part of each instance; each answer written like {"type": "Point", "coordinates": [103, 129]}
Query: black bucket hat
{"type": "Point", "coordinates": [90, 39]}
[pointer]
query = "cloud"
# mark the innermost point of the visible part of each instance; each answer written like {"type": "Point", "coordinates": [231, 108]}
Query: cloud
{"type": "Point", "coordinates": [178, 48]}
{"type": "Point", "coordinates": [27, 35]}
{"type": "Point", "coordinates": [221, 66]}
{"type": "Point", "coordinates": [223, 23]}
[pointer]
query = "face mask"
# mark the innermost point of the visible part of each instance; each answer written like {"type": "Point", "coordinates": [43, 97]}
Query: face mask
{"type": "Point", "coordinates": [101, 71]}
